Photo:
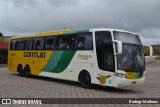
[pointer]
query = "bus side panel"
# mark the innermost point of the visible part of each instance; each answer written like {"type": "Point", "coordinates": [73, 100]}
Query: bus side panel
{"type": "Point", "coordinates": [57, 64]}
{"type": "Point", "coordinates": [69, 65]}
{"type": "Point", "coordinates": [34, 59]}
{"type": "Point", "coordinates": [83, 61]}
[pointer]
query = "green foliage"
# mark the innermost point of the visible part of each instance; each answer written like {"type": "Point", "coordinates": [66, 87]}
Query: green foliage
{"type": "Point", "coordinates": [156, 50]}
{"type": "Point", "coordinates": [4, 39]}
{"type": "Point", "coordinates": [146, 50]}
{"type": "Point", "coordinates": [1, 35]}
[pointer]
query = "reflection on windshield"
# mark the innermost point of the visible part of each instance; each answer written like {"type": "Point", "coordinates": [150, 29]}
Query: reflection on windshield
{"type": "Point", "coordinates": [127, 37]}
{"type": "Point", "coordinates": [131, 59]}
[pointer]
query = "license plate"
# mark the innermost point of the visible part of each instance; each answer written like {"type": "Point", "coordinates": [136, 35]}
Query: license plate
{"type": "Point", "coordinates": [134, 82]}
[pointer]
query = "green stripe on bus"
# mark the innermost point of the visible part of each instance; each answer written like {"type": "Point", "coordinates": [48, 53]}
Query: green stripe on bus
{"type": "Point", "coordinates": [82, 31]}
{"type": "Point", "coordinates": [64, 61]}
{"type": "Point", "coordinates": [59, 61]}
{"type": "Point", "coordinates": [138, 74]}
{"type": "Point", "coordinates": [72, 32]}
{"type": "Point", "coordinates": [53, 61]}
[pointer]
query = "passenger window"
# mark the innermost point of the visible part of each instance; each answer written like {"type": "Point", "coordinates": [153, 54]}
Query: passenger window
{"type": "Point", "coordinates": [84, 41]}
{"type": "Point", "coordinates": [12, 44]}
{"type": "Point", "coordinates": [27, 44]}
{"type": "Point", "coordinates": [49, 43]}
{"type": "Point", "coordinates": [67, 42]}
{"type": "Point", "coordinates": [38, 43]}
{"type": "Point", "coordinates": [16, 44]}
{"type": "Point", "coordinates": [30, 44]}
{"type": "Point", "coordinates": [21, 44]}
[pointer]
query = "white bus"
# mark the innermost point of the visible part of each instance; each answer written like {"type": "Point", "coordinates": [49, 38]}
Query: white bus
{"type": "Point", "coordinates": [103, 56]}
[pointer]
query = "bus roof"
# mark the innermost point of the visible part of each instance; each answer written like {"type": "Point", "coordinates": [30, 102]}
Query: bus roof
{"type": "Point", "coordinates": [111, 29]}
{"type": "Point", "coordinates": [52, 33]}
{"type": "Point", "coordinates": [57, 32]}
{"type": "Point", "coordinates": [68, 31]}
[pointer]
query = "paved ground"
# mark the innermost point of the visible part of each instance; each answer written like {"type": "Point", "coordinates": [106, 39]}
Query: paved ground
{"type": "Point", "coordinates": [13, 86]}
{"type": "Point", "coordinates": [149, 59]}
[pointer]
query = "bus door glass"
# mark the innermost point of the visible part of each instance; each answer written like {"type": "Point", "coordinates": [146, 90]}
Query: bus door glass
{"type": "Point", "coordinates": [105, 56]}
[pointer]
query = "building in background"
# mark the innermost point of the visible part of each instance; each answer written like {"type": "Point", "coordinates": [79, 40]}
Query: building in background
{"type": "Point", "coordinates": [4, 42]}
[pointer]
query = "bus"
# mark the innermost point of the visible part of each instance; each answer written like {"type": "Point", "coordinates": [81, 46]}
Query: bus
{"type": "Point", "coordinates": [103, 56]}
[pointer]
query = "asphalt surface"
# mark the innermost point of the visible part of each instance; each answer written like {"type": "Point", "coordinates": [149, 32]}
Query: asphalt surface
{"type": "Point", "coordinates": [13, 86]}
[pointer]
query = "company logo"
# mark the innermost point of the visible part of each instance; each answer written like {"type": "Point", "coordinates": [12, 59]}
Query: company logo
{"type": "Point", "coordinates": [102, 79]}
{"type": "Point", "coordinates": [21, 101]}
{"type": "Point", "coordinates": [84, 57]}
{"type": "Point", "coordinates": [35, 54]}
{"type": "Point", "coordinates": [6, 101]}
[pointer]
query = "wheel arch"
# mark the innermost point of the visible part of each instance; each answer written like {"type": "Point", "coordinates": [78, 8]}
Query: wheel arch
{"type": "Point", "coordinates": [27, 65]}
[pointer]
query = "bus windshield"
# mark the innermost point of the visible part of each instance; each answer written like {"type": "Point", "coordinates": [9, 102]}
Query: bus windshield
{"type": "Point", "coordinates": [132, 58]}
{"type": "Point", "coordinates": [127, 38]}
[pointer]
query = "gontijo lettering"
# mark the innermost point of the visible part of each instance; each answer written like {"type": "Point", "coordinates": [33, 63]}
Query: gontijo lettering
{"type": "Point", "coordinates": [35, 54]}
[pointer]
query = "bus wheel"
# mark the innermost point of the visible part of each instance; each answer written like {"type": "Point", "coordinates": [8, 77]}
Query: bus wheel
{"type": "Point", "coordinates": [85, 80]}
{"type": "Point", "coordinates": [27, 71]}
{"type": "Point", "coordinates": [20, 71]}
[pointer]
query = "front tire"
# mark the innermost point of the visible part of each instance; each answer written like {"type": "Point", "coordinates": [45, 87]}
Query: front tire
{"type": "Point", "coordinates": [85, 80]}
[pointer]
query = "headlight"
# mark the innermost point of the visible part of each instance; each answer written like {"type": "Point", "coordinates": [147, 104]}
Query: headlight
{"type": "Point", "coordinates": [120, 75]}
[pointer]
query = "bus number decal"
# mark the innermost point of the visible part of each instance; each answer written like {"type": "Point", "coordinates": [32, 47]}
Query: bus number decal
{"type": "Point", "coordinates": [12, 54]}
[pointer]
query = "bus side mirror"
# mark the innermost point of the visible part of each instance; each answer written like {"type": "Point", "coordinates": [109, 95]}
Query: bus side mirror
{"type": "Point", "coordinates": [118, 46]}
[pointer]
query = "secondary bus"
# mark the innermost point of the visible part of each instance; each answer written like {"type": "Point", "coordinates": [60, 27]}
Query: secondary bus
{"type": "Point", "coordinates": [103, 56]}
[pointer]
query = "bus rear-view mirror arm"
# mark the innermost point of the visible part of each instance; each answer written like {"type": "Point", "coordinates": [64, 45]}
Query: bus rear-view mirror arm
{"type": "Point", "coordinates": [118, 46]}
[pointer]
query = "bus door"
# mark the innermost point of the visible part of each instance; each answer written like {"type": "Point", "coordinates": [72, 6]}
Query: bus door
{"type": "Point", "coordinates": [105, 58]}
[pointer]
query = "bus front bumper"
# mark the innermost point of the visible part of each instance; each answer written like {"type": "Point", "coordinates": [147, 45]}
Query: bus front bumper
{"type": "Point", "coordinates": [124, 82]}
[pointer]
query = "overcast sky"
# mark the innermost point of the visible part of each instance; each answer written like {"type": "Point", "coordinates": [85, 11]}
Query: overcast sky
{"type": "Point", "coordinates": [21, 17]}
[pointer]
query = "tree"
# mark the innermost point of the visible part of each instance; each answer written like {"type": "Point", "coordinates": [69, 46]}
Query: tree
{"type": "Point", "coordinates": [1, 35]}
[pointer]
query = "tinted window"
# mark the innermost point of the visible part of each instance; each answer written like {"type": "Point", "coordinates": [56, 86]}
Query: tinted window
{"type": "Point", "coordinates": [104, 50]}
{"type": "Point", "coordinates": [38, 43]}
{"type": "Point", "coordinates": [16, 44]}
{"type": "Point", "coordinates": [27, 44]}
{"type": "Point", "coordinates": [103, 37]}
{"type": "Point", "coordinates": [50, 43]}
{"type": "Point", "coordinates": [21, 44]}
{"type": "Point", "coordinates": [84, 41]}
{"type": "Point", "coordinates": [30, 44]}
{"type": "Point", "coordinates": [12, 44]}
{"type": "Point", "coordinates": [67, 42]}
